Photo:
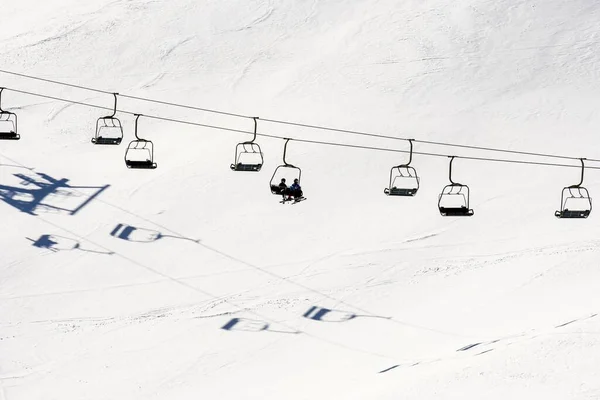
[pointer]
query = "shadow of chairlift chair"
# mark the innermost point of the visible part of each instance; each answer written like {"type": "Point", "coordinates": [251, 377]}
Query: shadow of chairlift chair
{"type": "Point", "coordinates": [109, 130]}
{"type": "Point", "coordinates": [247, 154]}
{"type": "Point", "coordinates": [575, 195]}
{"type": "Point", "coordinates": [454, 199]}
{"type": "Point", "coordinates": [404, 180]}
{"type": "Point", "coordinates": [285, 170]}
{"type": "Point", "coordinates": [8, 123]}
{"type": "Point", "coordinates": [140, 152]}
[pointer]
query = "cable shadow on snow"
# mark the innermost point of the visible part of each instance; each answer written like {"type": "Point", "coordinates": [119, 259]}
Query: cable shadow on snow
{"type": "Point", "coordinates": [38, 191]}
{"type": "Point", "coordinates": [126, 232]}
{"type": "Point", "coordinates": [155, 235]}
{"type": "Point", "coordinates": [15, 166]}
{"type": "Point", "coordinates": [487, 346]}
{"type": "Point", "coordinates": [141, 235]}
{"type": "Point", "coordinates": [56, 243]}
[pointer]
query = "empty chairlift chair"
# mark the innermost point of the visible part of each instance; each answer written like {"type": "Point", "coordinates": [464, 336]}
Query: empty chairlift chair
{"type": "Point", "coordinates": [109, 130]}
{"type": "Point", "coordinates": [8, 123]}
{"type": "Point", "coordinates": [248, 155]}
{"type": "Point", "coordinates": [404, 180]}
{"type": "Point", "coordinates": [454, 199]}
{"type": "Point", "coordinates": [140, 152]}
{"type": "Point", "coordinates": [285, 173]}
{"type": "Point", "coordinates": [575, 200]}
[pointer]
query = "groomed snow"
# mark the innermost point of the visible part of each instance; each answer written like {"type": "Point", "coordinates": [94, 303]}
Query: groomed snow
{"type": "Point", "coordinates": [192, 281]}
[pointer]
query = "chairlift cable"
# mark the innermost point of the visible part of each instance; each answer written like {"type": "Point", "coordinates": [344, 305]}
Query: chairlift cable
{"type": "Point", "coordinates": [81, 103]}
{"type": "Point", "coordinates": [297, 124]}
{"type": "Point", "coordinates": [526, 153]}
{"type": "Point", "coordinates": [56, 82]}
{"type": "Point", "coordinates": [167, 103]}
{"type": "Point", "coordinates": [90, 89]}
{"type": "Point", "coordinates": [302, 140]}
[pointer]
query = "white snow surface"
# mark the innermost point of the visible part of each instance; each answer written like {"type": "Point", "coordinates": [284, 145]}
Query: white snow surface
{"type": "Point", "coordinates": [220, 292]}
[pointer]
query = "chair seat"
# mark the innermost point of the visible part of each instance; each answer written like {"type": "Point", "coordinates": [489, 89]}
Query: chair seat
{"type": "Point", "coordinates": [400, 192]}
{"type": "Point", "coordinates": [103, 140]}
{"type": "Point", "coordinates": [9, 136]}
{"type": "Point", "coordinates": [140, 164]}
{"type": "Point", "coordinates": [246, 167]}
{"type": "Point", "coordinates": [456, 212]}
{"type": "Point", "coordinates": [572, 213]}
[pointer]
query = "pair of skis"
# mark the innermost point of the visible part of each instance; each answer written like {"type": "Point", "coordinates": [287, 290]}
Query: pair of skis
{"type": "Point", "coordinates": [293, 201]}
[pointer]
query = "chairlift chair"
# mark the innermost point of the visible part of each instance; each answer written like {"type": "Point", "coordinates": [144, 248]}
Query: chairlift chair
{"type": "Point", "coordinates": [109, 130]}
{"type": "Point", "coordinates": [285, 170]}
{"type": "Point", "coordinates": [404, 180]}
{"type": "Point", "coordinates": [454, 199]}
{"type": "Point", "coordinates": [248, 155]}
{"type": "Point", "coordinates": [140, 152]}
{"type": "Point", "coordinates": [575, 200]}
{"type": "Point", "coordinates": [8, 123]}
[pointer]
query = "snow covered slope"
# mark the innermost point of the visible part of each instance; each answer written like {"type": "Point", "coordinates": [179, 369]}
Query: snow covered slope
{"type": "Point", "coordinates": [192, 281]}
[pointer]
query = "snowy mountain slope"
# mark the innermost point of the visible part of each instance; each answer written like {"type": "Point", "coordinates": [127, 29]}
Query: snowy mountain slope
{"type": "Point", "coordinates": [174, 283]}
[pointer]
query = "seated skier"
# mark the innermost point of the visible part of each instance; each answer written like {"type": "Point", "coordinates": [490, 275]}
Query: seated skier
{"type": "Point", "coordinates": [283, 189]}
{"type": "Point", "coordinates": [295, 190]}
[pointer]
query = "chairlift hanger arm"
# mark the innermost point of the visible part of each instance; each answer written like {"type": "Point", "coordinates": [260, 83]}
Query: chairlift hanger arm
{"type": "Point", "coordinates": [115, 107]}
{"type": "Point", "coordinates": [255, 132]}
{"type": "Point", "coordinates": [284, 153]}
{"type": "Point", "coordinates": [582, 171]}
{"type": "Point", "coordinates": [1, 90]}
{"type": "Point", "coordinates": [410, 141]}
{"type": "Point", "coordinates": [137, 116]}
{"type": "Point", "coordinates": [450, 171]}
{"type": "Point", "coordinates": [255, 128]}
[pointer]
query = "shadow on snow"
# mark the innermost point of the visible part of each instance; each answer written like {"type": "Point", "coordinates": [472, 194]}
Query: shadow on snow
{"type": "Point", "coordinates": [326, 315]}
{"type": "Point", "coordinates": [38, 191]}
{"type": "Point", "coordinates": [141, 235]}
{"type": "Point", "coordinates": [57, 243]}
{"type": "Point", "coordinates": [248, 325]}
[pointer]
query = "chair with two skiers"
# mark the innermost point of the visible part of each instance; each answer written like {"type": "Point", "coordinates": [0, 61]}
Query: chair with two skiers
{"type": "Point", "coordinates": [293, 192]}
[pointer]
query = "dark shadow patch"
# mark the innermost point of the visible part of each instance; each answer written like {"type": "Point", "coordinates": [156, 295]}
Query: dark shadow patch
{"type": "Point", "coordinates": [566, 323]}
{"type": "Point", "coordinates": [576, 320]}
{"type": "Point", "coordinates": [248, 325]}
{"type": "Point", "coordinates": [468, 347]}
{"type": "Point", "coordinates": [39, 191]}
{"type": "Point", "coordinates": [389, 369]}
{"type": "Point", "coordinates": [328, 315]}
{"type": "Point", "coordinates": [141, 235]}
{"type": "Point", "coordinates": [57, 243]}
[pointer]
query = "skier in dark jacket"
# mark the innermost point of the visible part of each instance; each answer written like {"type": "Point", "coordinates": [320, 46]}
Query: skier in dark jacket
{"type": "Point", "coordinates": [295, 190]}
